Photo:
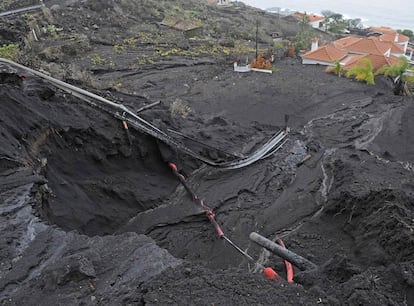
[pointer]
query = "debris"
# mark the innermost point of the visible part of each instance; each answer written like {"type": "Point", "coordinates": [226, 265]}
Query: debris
{"type": "Point", "coordinates": [148, 106]}
{"type": "Point", "coordinates": [304, 160]}
{"type": "Point", "coordinates": [299, 261]}
{"type": "Point", "coordinates": [268, 272]}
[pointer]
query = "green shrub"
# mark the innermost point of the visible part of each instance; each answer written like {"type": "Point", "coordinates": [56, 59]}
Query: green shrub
{"type": "Point", "coordinates": [395, 70]}
{"type": "Point", "coordinates": [131, 42]}
{"type": "Point", "coordinates": [279, 45]}
{"type": "Point", "coordinates": [4, 5]}
{"type": "Point", "coordinates": [97, 60]}
{"type": "Point", "coordinates": [336, 68]}
{"type": "Point", "coordinates": [119, 49]}
{"type": "Point", "coordinates": [363, 71]}
{"type": "Point", "coordinates": [10, 51]}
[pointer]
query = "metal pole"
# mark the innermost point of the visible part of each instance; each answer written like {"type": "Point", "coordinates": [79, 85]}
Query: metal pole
{"type": "Point", "coordinates": [297, 260]}
{"type": "Point", "coordinates": [257, 33]}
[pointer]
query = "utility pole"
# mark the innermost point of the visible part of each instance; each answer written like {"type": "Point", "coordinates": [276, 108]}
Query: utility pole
{"type": "Point", "coordinates": [257, 34]}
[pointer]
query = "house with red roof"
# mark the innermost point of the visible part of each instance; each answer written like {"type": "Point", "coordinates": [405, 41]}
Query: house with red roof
{"type": "Point", "coordinates": [381, 30]}
{"type": "Point", "coordinates": [396, 38]}
{"type": "Point", "coordinates": [385, 49]}
{"type": "Point", "coordinates": [369, 45]}
{"type": "Point", "coordinates": [315, 21]}
{"type": "Point", "coordinates": [324, 55]}
{"type": "Point", "coordinates": [377, 60]}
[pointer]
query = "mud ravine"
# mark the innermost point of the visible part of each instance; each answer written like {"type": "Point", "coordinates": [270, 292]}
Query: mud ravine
{"type": "Point", "coordinates": [89, 216]}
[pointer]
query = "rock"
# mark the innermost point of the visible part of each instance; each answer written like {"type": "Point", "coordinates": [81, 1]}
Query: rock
{"type": "Point", "coordinates": [74, 268]}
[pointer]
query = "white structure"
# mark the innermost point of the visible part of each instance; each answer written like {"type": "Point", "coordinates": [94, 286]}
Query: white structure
{"type": "Point", "coordinates": [315, 43]}
{"type": "Point", "coordinates": [314, 21]}
{"type": "Point", "coordinates": [223, 2]}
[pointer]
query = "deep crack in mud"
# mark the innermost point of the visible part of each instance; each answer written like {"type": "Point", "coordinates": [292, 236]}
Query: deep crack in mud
{"type": "Point", "coordinates": [108, 181]}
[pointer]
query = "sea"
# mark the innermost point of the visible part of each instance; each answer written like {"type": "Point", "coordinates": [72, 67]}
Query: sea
{"type": "Point", "coordinates": [397, 14]}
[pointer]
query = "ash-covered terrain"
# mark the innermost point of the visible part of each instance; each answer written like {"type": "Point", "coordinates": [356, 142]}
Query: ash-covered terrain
{"type": "Point", "coordinates": [90, 216]}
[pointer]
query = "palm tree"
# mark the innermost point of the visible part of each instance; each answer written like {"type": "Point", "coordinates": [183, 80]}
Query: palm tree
{"type": "Point", "coordinates": [363, 71]}
{"type": "Point", "coordinates": [396, 72]}
{"type": "Point", "coordinates": [336, 68]}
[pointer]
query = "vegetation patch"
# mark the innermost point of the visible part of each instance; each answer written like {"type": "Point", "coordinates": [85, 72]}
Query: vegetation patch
{"type": "Point", "coordinates": [261, 63]}
{"type": "Point", "coordinates": [10, 51]}
{"type": "Point", "coordinates": [4, 5]}
{"type": "Point", "coordinates": [119, 49]}
{"type": "Point", "coordinates": [363, 72]}
{"type": "Point", "coordinates": [97, 60]}
{"type": "Point", "coordinates": [335, 69]}
{"type": "Point", "coordinates": [179, 108]}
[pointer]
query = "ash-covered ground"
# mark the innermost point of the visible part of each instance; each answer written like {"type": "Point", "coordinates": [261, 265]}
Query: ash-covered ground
{"type": "Point", "coordinates": [87, 218]}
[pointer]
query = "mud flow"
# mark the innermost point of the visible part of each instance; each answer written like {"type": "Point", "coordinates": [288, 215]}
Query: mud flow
{"type": "Point", "coordinates": [98, 183]}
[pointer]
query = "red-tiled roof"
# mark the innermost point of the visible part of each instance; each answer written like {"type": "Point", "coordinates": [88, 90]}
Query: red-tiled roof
{"type": "Point", "coordinates": [395, 48]}
{"type": "Point", "coordinates": [350, 59]}
{"type": "Point", "coordinates": [346, 41]}
{"type": "Point", "coordinates": [401, 38]}
{"type": "Point", "coordinates": [327, 53]}
{"type": "Point", "coordinates": [369, 45]}
{"type": "Point", "coordinates": [346, 51]}
{"type": "Point", "coordinates": [376, 60]}
{"type": "Point", "coordinates": [383, 30]}
{"type": "Point", "coordinates": [311, 17]}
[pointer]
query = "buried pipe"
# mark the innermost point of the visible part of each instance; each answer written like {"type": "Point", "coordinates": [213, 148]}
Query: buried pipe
{"type": "Point", "coordinates": [121, 112]}
{"type": "Point", "coordinates": [148, 106]}
{"type": "Point", "coordinates": [297, 260]}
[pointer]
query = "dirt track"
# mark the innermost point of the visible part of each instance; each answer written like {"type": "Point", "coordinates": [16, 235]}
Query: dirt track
{"type": "Point", "coordinates": [87, 219]}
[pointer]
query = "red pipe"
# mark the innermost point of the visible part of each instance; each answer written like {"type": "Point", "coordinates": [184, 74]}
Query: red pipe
{"type": "Point", "coordinates": [288, 265]}
{"type": "Point", "coordinates": [267, 272]}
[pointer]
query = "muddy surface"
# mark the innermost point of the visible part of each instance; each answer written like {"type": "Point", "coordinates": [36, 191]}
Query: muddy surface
{"type": "Point", "coordinates": [89, 216]}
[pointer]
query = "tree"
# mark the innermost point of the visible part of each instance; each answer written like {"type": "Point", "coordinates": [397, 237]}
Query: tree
{"type": "Point", "coordinates": [396, 72]}
{"type": "Point", "coordinates": [363, 71]}
{"type": "Point", "coordinates": [304, 22]}
{"type": "Point", "coordinates": [355, 23]}
{"type": "Point", "coordinates": [406, 32]}
{"type": "Point", "coordinates": [327, 13]}
{"type": "Point", "coordinates": [303, 40]}
{"type": "Point", "coordinates": [336, 68]}
{"type": "Point", "coordinates": [335, 22]}
{"type": "Point", "coordinates": [336, 17]}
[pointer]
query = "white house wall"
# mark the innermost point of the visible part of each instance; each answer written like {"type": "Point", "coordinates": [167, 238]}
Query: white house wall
{"type": "Point", "coordinates": [314, 24]}
{"type": "Point", "coordinates": [397, 54]}
{"type": "Point", "coordinates": [307, 61]}
{"type": "Point", "coordinates": [405, 45]}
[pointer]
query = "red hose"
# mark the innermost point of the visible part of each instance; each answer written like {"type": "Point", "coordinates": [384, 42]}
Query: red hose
{"type": "Point", "coordinates": [288, 265]}
{"type": "Point", "coordinates": [267, 272]}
